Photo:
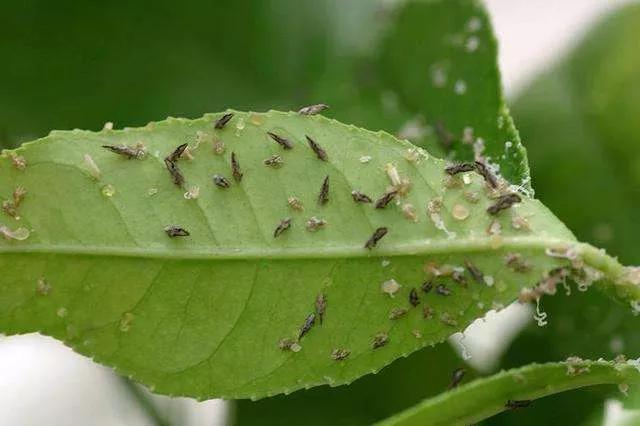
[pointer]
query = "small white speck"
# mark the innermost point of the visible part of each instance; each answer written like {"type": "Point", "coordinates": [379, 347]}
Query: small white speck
{"type": "Point", "coordinates": [474, 24]}
{"type": "Point", "coordinates": [438, 75]}
{"type": "Point", "coordinates": [460, 87]}
{"type": "Point", "coordinates": [472, 44]}
{"type": "Point", "coordinates": [365, 159]}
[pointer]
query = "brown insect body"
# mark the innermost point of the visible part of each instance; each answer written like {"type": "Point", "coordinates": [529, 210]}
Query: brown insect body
{"type": "Point", "coordinates": [456, 377]}
{"type": "Point", "coordinates": [379, 340]}
{"type": "Point", "coordinates": [514, 404]}
{"type": "Point", "coordinates": [222, 121]}
{"type": "Point", "coordinates": [321, 306]}
{"type": "Point", "coordinates": [177, 153]}
{"type": "Point", "coordinates": [359, 197]}
{"type": "Point", "coordinates": [282, 226]}
{"type": "Point", "coordinates": [221, 181]}
{"type": "Point", "coordinates": [274, 161]}
{"type": "Point", "coordinates": [174, 171]}
{"type": "Point", "coordinates": [320, 153]}
{"type": "Point", "coordinates": [280, 140]}
{"type": "Point", "coordinates": [503, 202]}
{"type": "Point", "coordinates": [235, 168]}
{"type": "Point", "coordinates": [376, 237]}
{"type": "Point", "coordinates": [340, 354]}
{"type": "Point", "coordinates": [323, 197]}
{"type": "Point", "coordinates": [476, 273]}
{"type": "Point", "coordinates": [460, 168]}
{"type": "Point", "coordinates": [308, 323]}
{"type": "Point", "coordinates": [313, 109]}
{"type": "Point", "coordinates": [176, 231]}
{"type": "Point", "coordinates": [124, 150]}
{"type": "Point", "coordinates": [414, 299]}
{"type": "Point", "coordinates": [487, 174]}
{"type": "Point", "coordinates": [386, 198]}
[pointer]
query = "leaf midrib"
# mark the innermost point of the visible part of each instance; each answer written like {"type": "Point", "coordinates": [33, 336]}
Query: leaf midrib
{"type": "Point", "coordinates": [457, 246]}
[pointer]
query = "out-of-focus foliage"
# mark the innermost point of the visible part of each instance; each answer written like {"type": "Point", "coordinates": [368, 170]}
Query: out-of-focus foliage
{"type": "Point", "coordinates": [367, 400]}
{"type": "Point", "coordinates": [78, 64]}
{"type": "Point", "coordinates": [580, 124]}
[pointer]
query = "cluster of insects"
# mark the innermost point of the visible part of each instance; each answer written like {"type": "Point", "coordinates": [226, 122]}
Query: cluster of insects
{"type": "Point", "coordinates": [398, 189]}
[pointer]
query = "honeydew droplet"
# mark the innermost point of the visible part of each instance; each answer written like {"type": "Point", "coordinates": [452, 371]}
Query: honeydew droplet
{"type": "Point", "coordinates": [472, 44]}
{"type": "Point", "coordinates": [390, 287]}
{"type": "Point", "coordinates": [108, 190]}
{"type": "Point", "coordinates": [474, 24]}
{"type": "Point", "coordinates": [125, 321]}
{"type": "Point", "coordinates": [460, 87]}
{"type": "Point", "coordinates": [43, 287]}
{"type": "Point", "coordinates": [438, 76]}
{"type": "Point", "coordinates": [460, 212]}
{"type": "Point", "coordinates": [256, 119]}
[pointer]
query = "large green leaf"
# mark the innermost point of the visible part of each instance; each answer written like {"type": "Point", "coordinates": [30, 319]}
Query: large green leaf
{"type": "Point", "coordinates": [515, 390]}
{"type": "Point", "coordinates": [203, 315]}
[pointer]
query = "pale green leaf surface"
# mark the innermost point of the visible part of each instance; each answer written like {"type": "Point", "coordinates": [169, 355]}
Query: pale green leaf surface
{"type": "Point", "coordinates": [487, 397]}
{"type": "Point", "coordinates": [202, 316]}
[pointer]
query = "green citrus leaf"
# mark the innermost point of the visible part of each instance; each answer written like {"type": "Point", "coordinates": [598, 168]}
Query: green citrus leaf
{"type": "Point", "coordinates": [95, 254]}
{"type": "Point", "coordinates": [514, 389]}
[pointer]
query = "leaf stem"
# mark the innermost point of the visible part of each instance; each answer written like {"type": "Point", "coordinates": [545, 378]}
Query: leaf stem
{"type": "Point", "coordinates": [487, 397]}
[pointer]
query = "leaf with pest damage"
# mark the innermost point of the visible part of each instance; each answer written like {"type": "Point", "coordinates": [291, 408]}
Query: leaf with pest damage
{"type": "Point", "coordinates": [226, 311]}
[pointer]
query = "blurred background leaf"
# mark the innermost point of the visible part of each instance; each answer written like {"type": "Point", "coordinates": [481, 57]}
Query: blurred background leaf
{"type": "Point", "coordinates": [78, 64]}
{"type": "Point", "coordinates": [580, 124]}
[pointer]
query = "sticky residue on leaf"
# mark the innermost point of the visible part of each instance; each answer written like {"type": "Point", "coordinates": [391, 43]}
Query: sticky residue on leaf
{"type": "Point", "coordinates": [126, 321]}
{"type": "Point", "coordinates": [43, 287]}
{"type": "Point", "coordinates": [91, 167]}
{"type": "Point", "coordinates": [108, 190]}
{"type": "Point", "coordinates": [19, 234]}
{"type": "Point", "coordinates": [192, 193]}
{"type": "Point", "coordinates": [390, 287]}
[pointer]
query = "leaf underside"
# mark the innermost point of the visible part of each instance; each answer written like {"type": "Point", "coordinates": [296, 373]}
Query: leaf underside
{"type": "Point", "coordinates": [203, 315]}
